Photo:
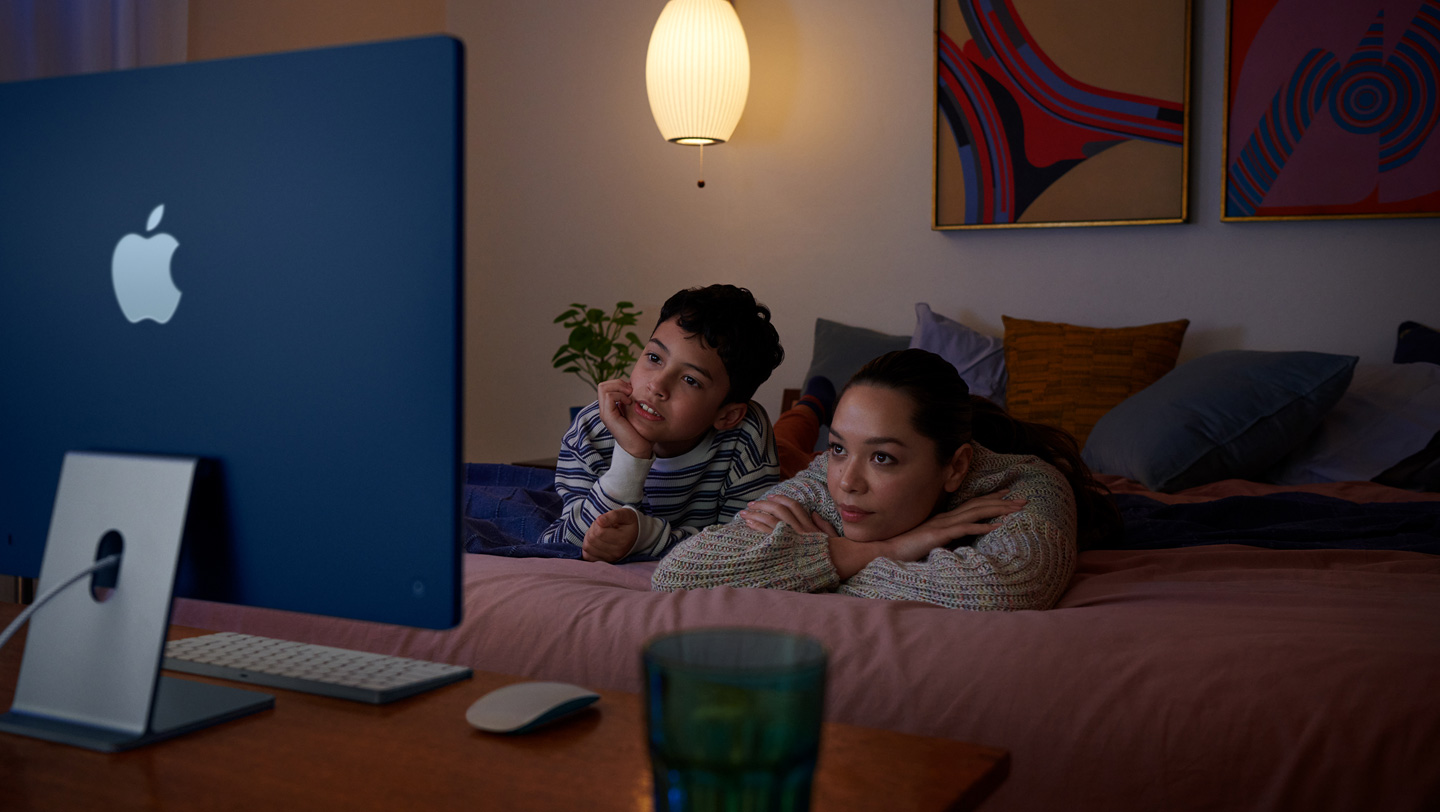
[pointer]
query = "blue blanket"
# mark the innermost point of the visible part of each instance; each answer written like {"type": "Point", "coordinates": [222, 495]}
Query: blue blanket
{"type": "Point", "coordinates": [508, 507]}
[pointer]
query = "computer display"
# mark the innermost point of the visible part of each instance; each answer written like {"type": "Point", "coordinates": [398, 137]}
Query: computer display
{"type": "Point", "coordinates": [256, 262]}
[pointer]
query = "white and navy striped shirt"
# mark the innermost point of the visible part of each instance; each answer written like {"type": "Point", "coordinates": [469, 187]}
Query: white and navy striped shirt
{"type": "Point", "coordinates": [675, 497]}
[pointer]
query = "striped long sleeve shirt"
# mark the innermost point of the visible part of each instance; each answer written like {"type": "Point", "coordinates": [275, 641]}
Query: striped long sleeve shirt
{"type": "Point", "coordinates": [674, 497]}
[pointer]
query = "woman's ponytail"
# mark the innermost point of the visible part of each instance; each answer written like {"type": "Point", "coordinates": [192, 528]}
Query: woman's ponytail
{"type": "Point", "coordinates": [995, 429]}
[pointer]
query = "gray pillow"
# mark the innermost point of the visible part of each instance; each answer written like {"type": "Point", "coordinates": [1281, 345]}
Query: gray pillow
{"type": "Point", "coordinates": [840, 350]}
{"type": "Point", "coordinates": [1227, 415]}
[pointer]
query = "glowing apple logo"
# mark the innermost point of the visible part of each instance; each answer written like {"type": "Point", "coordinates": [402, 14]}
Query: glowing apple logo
{"type": "Point", "coordinates": [140, 270]}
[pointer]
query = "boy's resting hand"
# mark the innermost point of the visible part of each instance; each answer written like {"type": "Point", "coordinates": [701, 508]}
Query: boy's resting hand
{"type": "Point", "coordinates": [615, 403]}
{"type": "Point", "coordinates": [612, 536]}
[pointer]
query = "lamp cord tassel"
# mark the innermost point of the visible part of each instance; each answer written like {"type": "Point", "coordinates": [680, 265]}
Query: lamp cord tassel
{"type": "Point", "coordinates": [701, 182]}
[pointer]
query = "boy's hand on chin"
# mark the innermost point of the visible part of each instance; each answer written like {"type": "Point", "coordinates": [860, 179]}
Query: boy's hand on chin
{"type": "Point", "coordinates": [615, 403]}
{"type": "Point", "coordinates": [612, 535]}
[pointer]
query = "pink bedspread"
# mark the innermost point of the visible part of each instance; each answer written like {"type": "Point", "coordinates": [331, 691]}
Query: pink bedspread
{"type": "Point", "coordinates": [1220, 677]}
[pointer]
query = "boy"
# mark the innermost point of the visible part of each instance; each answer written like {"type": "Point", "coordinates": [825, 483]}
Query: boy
{"type": "Point", "coordinates": [679, 446]}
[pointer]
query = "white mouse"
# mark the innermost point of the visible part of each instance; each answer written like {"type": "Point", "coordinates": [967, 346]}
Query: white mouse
{"type": "Point", "coordinates": [523, 706]}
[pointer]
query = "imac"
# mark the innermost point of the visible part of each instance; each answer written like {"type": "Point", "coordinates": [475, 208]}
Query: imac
{"type": "Point", "coordinates": [230, 308]}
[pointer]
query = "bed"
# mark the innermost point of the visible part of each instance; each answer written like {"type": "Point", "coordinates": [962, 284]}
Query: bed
{"type": "Point", "coordinates": [1245, 644]}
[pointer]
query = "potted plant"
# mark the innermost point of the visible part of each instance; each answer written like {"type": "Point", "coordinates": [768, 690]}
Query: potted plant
{"type": "Point", "coordinates": [596, 349]}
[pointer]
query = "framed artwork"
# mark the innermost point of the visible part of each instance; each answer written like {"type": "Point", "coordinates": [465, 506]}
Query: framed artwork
{"type": "Point", "coordinates": [1331, 109]}
{"type": "Point", "coordinates": [1061, 113]}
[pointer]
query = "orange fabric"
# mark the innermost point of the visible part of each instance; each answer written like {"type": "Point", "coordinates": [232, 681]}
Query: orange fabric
{"type": "Point", "coordinates": [1069, 376]}
{"type": "Point", "coordinates": [796, 432]}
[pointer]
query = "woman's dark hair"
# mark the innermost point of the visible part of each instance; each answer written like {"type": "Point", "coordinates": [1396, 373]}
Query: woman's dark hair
{"type": "Point", "coordinates": [729, 319]}
{"type": "Point", "coordinates": [949, 415]}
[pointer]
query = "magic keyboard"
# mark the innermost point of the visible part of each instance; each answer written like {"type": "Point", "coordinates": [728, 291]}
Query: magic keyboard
{"type": "Point", "coordinates": [337, 672]}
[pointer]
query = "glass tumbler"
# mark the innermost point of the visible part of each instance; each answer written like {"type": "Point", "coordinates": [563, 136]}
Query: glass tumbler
{"type": "Point", "coordinates": [733, 718]}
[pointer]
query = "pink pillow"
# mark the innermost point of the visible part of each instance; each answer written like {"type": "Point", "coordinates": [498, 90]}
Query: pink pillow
{"type": "Point", "coordinates": [979, 358]}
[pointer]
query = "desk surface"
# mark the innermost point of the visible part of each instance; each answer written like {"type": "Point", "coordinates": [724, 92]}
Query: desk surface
{"type": "Point", "coordinates": [318, 753]}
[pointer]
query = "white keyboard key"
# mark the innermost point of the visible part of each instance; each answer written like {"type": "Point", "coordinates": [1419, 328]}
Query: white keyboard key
{"type": "Point", "coordinates": [358, 675]}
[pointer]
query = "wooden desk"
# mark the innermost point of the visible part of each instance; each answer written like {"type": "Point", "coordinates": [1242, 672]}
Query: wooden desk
{"type": "Point", "coordinates": [316, 753]}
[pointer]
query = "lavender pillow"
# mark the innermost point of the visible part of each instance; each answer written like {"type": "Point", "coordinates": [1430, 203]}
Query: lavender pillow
{"type": "Point", "coordinates": [980, 358]}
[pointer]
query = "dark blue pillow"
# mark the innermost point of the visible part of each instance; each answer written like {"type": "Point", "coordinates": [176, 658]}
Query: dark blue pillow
{"type": "Point", "coordinates": [1416, 342]}
{"type": "Point", "coordinates": [1227, 415]}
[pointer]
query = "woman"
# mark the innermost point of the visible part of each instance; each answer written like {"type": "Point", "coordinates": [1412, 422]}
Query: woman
{"type": "Point", "coordinates": [906, 504]}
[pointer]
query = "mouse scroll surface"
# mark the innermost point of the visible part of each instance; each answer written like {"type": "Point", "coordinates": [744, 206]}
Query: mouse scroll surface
{"type": "Point", "coordinates": [524, 706]}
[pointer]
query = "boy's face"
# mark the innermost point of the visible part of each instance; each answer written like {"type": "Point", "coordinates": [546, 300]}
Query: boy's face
{"type": "Point", "coordinates": [678, 391]}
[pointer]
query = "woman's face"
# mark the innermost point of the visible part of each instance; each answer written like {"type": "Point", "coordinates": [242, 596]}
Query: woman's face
{"type": "Point", "coordinates": [883, 474]}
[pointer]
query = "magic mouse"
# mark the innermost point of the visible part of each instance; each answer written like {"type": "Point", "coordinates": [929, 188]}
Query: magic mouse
{"type": "Point", "coordinates": [523, 706]}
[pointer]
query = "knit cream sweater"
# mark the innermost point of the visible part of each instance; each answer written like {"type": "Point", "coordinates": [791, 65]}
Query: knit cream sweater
{"type": "Point", "coordinates": [1024, 563]}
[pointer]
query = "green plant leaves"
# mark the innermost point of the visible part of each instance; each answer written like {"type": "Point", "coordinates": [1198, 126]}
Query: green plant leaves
{"type": "Point", "coordinates": [595, 349]}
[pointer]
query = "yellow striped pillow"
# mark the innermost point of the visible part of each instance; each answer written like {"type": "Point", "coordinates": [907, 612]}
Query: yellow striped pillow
{"type": "Point", "coordinates": [1070, 376]}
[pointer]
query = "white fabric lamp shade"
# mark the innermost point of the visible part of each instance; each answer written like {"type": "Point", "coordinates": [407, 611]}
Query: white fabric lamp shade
{"type": "Point", "coordinates": [697, 71]}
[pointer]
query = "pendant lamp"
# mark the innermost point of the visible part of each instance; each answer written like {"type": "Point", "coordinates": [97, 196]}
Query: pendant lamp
{"type": "Point", "coordinates": [697, 72]}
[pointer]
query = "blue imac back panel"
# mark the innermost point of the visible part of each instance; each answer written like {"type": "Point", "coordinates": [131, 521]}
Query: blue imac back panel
{"type": "Point", "coordinates": [255, 261]}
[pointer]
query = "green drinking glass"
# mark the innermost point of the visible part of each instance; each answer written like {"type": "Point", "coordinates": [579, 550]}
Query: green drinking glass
{"type": "Point", "coordinates": [733, 719]}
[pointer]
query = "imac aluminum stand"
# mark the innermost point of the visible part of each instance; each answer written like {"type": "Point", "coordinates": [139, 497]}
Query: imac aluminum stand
{"type": "Point", "coordinates": [91, 670]}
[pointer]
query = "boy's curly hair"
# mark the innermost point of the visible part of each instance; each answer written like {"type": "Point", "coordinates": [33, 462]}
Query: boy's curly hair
{"type": "Point", "coordinates": [729, 319]}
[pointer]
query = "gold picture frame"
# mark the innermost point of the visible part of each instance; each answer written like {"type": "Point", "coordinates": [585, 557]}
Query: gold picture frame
{"type": "Point", "coordinates": [1056, 113]}
{"type": "Point", "coordinates": [1331, 113]}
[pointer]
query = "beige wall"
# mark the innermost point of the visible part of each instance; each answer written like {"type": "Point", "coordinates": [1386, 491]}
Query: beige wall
{"type": "Point", "coordinates": [221, 28]}
{"type": "Point", "coordinates": [820, 204]}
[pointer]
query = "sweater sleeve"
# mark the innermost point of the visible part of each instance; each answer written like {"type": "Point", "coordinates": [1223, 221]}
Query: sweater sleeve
{"type": "Point", "coordinates": [656, 535]}
{"type": "Point", "coordinates": [1025, 563]}
{"type": "Point", "coordinates": [734, 555]}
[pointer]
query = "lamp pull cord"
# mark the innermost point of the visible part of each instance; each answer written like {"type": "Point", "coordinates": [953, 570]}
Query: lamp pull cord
{"type": "Point", "coordinates": [701, 183]}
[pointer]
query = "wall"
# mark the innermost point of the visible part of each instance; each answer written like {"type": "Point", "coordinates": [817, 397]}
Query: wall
{"type": "Point", "coordinates": [224, 28]}
{"type": "Point", "coordinates": [820, 204]}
